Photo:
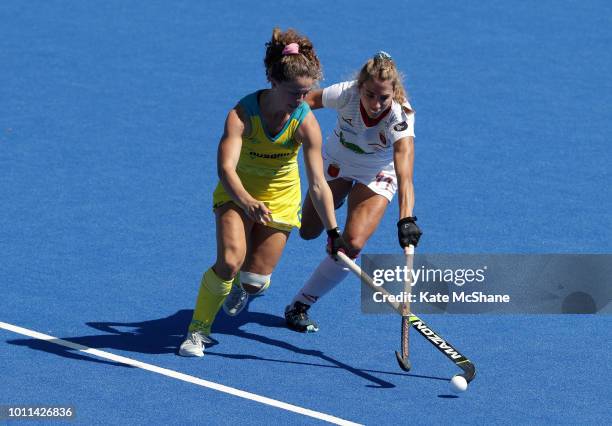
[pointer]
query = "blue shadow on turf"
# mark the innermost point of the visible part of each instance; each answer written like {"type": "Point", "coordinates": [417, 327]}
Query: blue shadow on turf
{"type": "Point", "coordinates": [164, 335]}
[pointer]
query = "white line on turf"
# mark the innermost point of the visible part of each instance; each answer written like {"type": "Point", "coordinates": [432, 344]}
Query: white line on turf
{"type": "Point", "coordinates": [177, 375]}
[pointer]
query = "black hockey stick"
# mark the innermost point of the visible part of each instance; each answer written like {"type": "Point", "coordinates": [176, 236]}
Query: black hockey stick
{"type": "Point", "coordinates": [469, 370]}
{"type": "Point", "coordinates": [403, 358]}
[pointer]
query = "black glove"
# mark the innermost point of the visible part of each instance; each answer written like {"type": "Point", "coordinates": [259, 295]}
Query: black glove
{"type": "Point", "coordinates": [408, 233]}
{"type": "Point", "coordinates": [335, 242]}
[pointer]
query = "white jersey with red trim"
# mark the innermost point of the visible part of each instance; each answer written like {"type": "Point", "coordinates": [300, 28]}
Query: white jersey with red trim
{"type": "Point", "coordinates": [358, 139]}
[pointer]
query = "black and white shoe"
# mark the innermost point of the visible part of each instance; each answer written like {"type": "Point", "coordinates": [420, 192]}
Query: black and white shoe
{"type": "Point", "coordinates": [296, 316]}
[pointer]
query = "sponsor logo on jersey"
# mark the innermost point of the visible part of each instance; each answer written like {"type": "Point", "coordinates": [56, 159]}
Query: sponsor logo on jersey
{"type": "Point", "coordinates": [355, 148]}
{"type": "Point", "coordinates": [349, 121]}
{"type": "Point", "coordinates": [399, 127]}
{"type": "Point", "coordinates": [253, 155]}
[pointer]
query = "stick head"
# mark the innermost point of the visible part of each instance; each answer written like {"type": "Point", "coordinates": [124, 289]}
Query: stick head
{"type": "Point", "coordinates": [469, 371]}
{"type": "Point", "coordinates": [403, 363]}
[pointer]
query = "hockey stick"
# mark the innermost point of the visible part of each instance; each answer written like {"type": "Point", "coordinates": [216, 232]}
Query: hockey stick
{"type": "Point", "coordinates": [469, 370]}
{"type": "Point", "coordinates": [403, 358]}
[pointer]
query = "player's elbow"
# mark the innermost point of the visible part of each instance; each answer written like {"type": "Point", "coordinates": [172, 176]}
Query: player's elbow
{"type": "Point", "coordinates": [317, 187]}
{"type": "Point", "coordinates": [223, 170]}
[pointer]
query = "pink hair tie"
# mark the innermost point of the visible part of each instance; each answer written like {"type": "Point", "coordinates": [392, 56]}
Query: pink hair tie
{"type": "Point", "coordinates": [291, 49]}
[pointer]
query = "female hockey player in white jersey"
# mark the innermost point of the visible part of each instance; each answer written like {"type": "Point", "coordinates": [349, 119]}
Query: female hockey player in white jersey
{"type": "Point", "coordinates": [368, 157]}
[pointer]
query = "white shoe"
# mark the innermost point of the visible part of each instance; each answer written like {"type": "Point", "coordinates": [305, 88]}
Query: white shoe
{"type": "Point", "coordinates": [193, 344]}
{"type": "Point", "coordinates": [235, 301]}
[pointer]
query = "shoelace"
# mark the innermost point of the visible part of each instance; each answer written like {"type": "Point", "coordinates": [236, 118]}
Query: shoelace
{"type": "Point", "coordinates": [199, 338]}
{"type": "Point", "coordinates": [196, 338]}
{"type": "Point", "coordinates": [300, 312]}
{"type": "Point", "coordinates": [240, 295]}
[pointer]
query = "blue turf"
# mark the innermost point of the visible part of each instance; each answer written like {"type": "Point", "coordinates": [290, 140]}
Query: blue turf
{"type": "Point", "coordinates": [110, 113]}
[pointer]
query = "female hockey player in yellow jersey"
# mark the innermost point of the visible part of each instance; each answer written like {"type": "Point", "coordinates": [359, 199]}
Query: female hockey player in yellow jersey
{"type": "Point", "coordinates": [257, 201]}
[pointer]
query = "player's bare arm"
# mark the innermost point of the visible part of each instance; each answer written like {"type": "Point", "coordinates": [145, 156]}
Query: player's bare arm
{"type": "Point", "coordinates": [408, 232]}
{"type": "Point", "coordinates": [403, 159]}
{"type": "Point", "coordinates": [227, 159]}
{"type": "Point", "coordinates": [309, 135]}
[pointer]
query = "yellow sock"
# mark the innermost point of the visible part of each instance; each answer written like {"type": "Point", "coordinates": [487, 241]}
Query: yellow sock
{"type": "Point", "coordinates": [213, 291]}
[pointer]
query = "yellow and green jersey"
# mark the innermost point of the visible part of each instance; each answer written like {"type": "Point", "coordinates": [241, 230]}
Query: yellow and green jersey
{"type": "Point", "coordinates": [268, 165]}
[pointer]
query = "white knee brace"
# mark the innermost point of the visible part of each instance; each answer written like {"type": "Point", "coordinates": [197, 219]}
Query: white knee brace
{"type": "Point", "coordinates": [262, 282]}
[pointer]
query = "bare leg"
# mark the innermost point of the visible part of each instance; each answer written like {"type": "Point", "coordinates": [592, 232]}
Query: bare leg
{"type": "Point", "coordinates": [233, 226]}
{"type": "Point", "coordinates": [365, 211]}
{"type": "Point", "coordinates": [265, 250]}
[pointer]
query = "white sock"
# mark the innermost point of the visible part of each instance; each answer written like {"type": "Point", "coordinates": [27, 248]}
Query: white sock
{"type": "Point", "coordinates": [328, 275]}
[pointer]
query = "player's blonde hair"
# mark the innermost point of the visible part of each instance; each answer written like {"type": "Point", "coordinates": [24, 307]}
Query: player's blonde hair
{"type": "Point", "coordinates": [287, 67]}
{"type": "Point", "coordinates": [382, 67]}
